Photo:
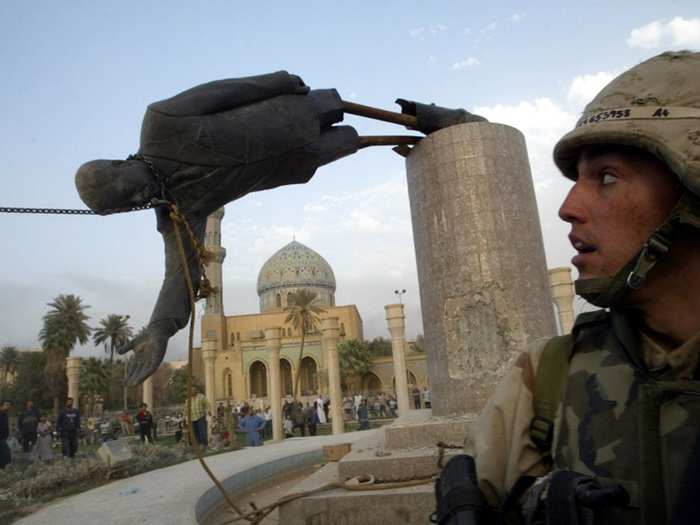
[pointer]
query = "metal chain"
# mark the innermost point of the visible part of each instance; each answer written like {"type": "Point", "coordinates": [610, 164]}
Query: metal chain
{"type": "Point", "coordinates": [72, 211]}
{"type": "Point", "coordinates": [68, 211]}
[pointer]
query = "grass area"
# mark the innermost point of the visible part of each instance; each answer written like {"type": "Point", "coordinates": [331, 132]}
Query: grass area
{"type": "Point", "coordinates": [26, 486]}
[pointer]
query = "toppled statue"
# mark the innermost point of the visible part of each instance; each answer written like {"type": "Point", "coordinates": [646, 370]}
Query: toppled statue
{"type": "Point", "coordinates": [215, 143]}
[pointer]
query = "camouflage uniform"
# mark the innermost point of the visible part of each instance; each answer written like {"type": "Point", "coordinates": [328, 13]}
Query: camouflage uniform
{"type": "Point", "coordinates": [630, 410]}
{"type": "Point", "coordinates": [599, 414]}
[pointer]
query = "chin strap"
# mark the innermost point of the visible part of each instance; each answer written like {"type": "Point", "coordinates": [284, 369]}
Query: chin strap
{"type": "Point", "coordinates": [607, 291]}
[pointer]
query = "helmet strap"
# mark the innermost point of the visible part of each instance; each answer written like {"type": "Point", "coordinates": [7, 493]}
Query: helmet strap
{"type": "Point", "coordinates": [607, 291]}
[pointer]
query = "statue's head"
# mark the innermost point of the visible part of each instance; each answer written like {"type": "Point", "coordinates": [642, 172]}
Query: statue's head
{"type": "Point", "coordinates": [106, 186]}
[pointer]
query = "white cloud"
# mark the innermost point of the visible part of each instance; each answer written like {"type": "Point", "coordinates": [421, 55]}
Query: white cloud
{"type": "Point", "coordinates": [679, 32]}
{"type": "Point", "coordinates": [467, 31]}
{"type": "Point", "coordinates": [516, 17]}
{"type": "Point", "coordinates": [432, 58]}
{"type": "Point", "coordinates": [417, 32]}
{"type": "Point", "coordinates": [352, 96]}
{"type": "Point", "coordinates": [489, 28]}
{"type": "Point", "coordinates": [433, 30]}
{"type": "Point", "coordinates": [466, 62]}
{"type": "Point", "coordinates": [685, 33]}
{"type": "Point", "coordinates": [584, 87]}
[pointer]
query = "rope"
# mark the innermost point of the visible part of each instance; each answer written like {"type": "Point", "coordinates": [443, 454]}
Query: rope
{"type": "Point", "coordinates": [72, 211]}
{"type": "Point", "coordinates": [178, 220]}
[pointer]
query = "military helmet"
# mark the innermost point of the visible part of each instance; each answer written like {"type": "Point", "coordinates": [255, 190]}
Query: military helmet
{"type": "Point", "coordinates": [655, 106]}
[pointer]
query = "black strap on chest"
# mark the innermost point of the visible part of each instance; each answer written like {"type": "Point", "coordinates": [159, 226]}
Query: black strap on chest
{"type": "Point", "coordinates": [550, 381]}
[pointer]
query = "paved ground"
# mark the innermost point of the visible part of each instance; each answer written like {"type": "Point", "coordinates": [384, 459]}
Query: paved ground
{"type": "Point", "coordinates": [169, 496]}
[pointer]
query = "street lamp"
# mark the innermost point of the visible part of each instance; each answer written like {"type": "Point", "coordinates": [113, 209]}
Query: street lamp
{"type": "Point", "coordinates": [400, 293]}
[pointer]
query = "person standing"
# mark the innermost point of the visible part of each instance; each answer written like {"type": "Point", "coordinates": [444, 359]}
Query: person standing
{"type": "Point", "coordinates": [298, 417]}
{"type": "Point", "coordinates": [5, 454]}
{"type": "Point", "coordinates": [198, 416]}
{"type": "Point", "coordinates": [43, 450]}
{"type": "Point", "coordinates": [68, 426]}
{"type": "Point", "coordinates": [319, 410]}
{"type": "Point", "coordinates": [426, 397]}
{"type": "Point", "coordinates": [252, 425]}
{"type": "Point", "coordinates": [312, 421]}
{"type": "Point", "coordinates": [145, 419]}
{"type": "Point", "coordinates": [363, 415]}
{"type": "Point", "coordinates": [416, 397]}
{"type": "Point", "coordinates": [27, 424]}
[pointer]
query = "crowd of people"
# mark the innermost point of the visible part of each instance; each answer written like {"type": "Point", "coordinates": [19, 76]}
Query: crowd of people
{"type": "Point", "coordinates": [38, 435]}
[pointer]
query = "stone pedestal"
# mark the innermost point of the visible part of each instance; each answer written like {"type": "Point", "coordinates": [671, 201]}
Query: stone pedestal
{"type": "Point", "coordinates": [148, 392]}
{"type": "Point", "coordinates": [209, 358]}
{"type": "Point", "coordinates": [563, 295]}
{"type": "Point", "coordinates": [73, 375]}
{"type": "Point", "coordinates": [396, 323]}
{"type": "Point", "coordinates": [480, 258]}
{"type": "Point", "coordinates": [272, 338]}
{"type": "Point", "coordinates": [330, 331]}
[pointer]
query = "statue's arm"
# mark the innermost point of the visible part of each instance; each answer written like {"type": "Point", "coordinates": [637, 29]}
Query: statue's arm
{"type": "Point", "coordinates": [222, 95]}
{"type": "Point", "coordinates": [172, 310]}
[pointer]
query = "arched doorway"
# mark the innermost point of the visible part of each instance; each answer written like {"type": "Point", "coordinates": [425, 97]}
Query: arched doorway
{"type": "Point", "coordinates": [228, 383]}
{"type": "Point", "coordinates": [286, 374]}
{"type": "Point", "coordinates": [371, 384]}
{"type": "Point", "coordinates": [308, 382]}
{"type": "Point", "coordinates": [258, 379]}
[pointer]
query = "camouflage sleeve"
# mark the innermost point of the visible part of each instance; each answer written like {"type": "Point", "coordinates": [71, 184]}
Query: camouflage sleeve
{"type": "Point", "coordinates": [501, 441]}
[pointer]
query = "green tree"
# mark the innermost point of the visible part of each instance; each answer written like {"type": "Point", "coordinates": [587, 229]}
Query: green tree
{"type": "Point", "coordinates": [94, 380]}
{"type": "Point", "coordinates": [9, 359]}
{"type": "Point", "coordinates": [65, 324]}
{"type": "Point", "coordinates": [355, 361]}
{"type": "Point", "coordinates": [304, 316]}
{"type": "Point", "coordinates": [115, 330]}
{"type": "Point", "coordinates": [379, 347]}
{"type": "Point", "coordinates": [29, 381]}
{"type": "Point", "coordinates": [176, 387]}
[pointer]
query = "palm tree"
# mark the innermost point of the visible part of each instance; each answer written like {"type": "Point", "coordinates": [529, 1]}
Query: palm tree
{"type": "Point", "coordinates": [64, 326]}
{"type": "Point", "coordinates": [304, 316]}
{"type": "Point", "coordinates": [9, 359]}
{"type": "Point", "coordinates": [94, 379]}
{"type": "Point", "coordinates": [355, 360]}
{"type": "Point", "coordinates": [114, 329]}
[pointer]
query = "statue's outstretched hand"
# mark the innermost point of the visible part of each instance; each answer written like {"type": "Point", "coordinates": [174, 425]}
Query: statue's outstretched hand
{"type": "Point", "coordinates": [432, 118]}
{"type": "Point", "coordinates": [149, 350]}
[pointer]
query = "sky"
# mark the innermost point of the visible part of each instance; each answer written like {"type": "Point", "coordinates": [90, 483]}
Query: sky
{"type": "Point", "coordinates": [77, 76]}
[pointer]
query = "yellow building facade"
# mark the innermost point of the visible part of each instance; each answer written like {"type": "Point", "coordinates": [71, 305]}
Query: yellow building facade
{"type": "Point", "coordinates": [233, 360]}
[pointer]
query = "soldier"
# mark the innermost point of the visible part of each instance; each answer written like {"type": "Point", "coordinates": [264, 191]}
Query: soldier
{"type": "Point", "coordinates": [604, 424]}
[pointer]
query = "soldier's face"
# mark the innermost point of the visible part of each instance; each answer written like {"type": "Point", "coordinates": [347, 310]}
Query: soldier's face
{"type": "Point", "coordinates": [620, 197]}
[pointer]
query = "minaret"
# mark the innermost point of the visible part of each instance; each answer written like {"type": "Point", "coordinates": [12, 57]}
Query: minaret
{"type": "Point", "coordinates": [212, 242]}
{"type": "Point", "coordinates": [213, 321]}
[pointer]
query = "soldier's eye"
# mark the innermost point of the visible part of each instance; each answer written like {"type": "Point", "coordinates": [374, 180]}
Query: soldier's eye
{"type": "Point", "coordinates": [608, 178]}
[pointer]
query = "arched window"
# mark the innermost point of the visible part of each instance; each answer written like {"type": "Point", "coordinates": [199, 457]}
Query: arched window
{"type": "Point", "coordinates": [289, 332]}
{"type": "Point", "coordinates": [371, 384]}
{"type": "Point", "coordinates": [278, 300]}
{"type": "Point", "coordinates": [342, 328]}
{"type": "Point", "coordinates": [308, 382]}
{"type": "Point", "coordinates": [258, 379]}
{"type": "Point", "coordinates": [228, 383]}
{"type": "Point", "coordinates": [290, 299]}
{"type": "Point", "coordinates": [238, 336]}
{"type": "Point", "coordinates": [286, 374]}
{"type": "Point", "coordinates": [411, 378]}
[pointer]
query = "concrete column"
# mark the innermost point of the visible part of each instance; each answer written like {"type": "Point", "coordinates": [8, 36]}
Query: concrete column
{"type": "Point", "coordinates": [482, 273]}
{"type": "Point", "coordinates": [73, 374]}
{"type": "Point", "coordinates": [148, 392]}
{"type": "Point", "coordinates": [329, 339]}
{"type": "Point", "coordinates": [209, 358]}
{"type": "Point", "coordinates": [563, 295]}
{"type": "Point", "coordinates": [397, 328]}
{"type": "Point", "coordinates": [212, 242]}
{"type": "Point", "coordinates": [272, 338]}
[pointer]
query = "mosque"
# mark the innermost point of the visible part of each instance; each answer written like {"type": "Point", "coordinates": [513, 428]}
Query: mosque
{"type": "Point", "coordinates": [233, 360]}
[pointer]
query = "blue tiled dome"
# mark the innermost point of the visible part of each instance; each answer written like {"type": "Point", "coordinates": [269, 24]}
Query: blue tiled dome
{"type": "Point", "coordinates": [296, 266]}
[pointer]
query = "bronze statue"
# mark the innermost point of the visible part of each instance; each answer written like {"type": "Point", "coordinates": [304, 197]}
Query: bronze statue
{"type": "Point", "coordinates": [215, 143]}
